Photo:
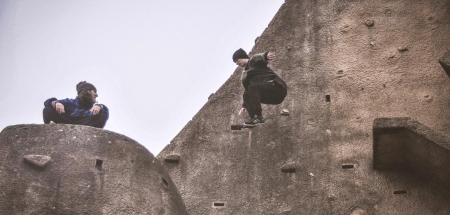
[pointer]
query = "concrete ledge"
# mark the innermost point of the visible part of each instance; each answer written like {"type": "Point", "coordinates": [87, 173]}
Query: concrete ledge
{"type": "Point", "coordinates": [445, 62]}
{"type": "Point", "coordinates": [403, 143]}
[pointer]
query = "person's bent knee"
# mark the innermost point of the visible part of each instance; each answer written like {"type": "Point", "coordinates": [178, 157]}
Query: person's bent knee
{"type": "Point", "coordinates": [47, 113]}
{"type": "Point", "coordinates": [102, 117]}
{"type": "Point", "coordinates": [48, 110]}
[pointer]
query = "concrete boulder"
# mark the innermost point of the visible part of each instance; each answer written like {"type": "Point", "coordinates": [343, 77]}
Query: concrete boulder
{"type": "Point", "coordinates": [68, 169]}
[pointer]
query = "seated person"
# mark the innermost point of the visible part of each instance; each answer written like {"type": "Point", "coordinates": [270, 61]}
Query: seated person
{"type": "Point", "coordinates": [83, 110]}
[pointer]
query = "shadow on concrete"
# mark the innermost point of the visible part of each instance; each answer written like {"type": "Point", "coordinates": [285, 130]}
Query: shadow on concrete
{"type": "Point", "coordinates": [405, 144]}
{"type": "Point", "coordinates": [445, 62]}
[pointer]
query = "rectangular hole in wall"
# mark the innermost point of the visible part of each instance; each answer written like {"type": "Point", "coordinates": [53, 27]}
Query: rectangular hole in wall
{"type": "Point", "coordinates": [327, 98]}
{"type": "Point", "coordinates": [400, 192]}
{"type": "Point", "coordinates": [219, 204]}
{"type": "Point", "coordinates": [348, 166]}
{"type": "Point", "coordinates": [236, 127]}
{"type": "Point", "coordinates": [99, 164]}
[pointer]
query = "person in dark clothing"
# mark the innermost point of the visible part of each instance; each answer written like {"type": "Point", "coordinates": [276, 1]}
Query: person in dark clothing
{"type": "Point", "coordinates": [83, 110]}
{"type": "Point", "coordinates": [261, 84]}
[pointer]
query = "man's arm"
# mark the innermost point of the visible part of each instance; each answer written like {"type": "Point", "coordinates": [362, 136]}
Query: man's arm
{"type": "Point", "coordinates": [261, 59]}
{"type": "Point", "coordinates": [97, 108]}
{"type": "Point", "coordinates": [49, 102]}
{"type": "Point", "coordinates": [56, 104]}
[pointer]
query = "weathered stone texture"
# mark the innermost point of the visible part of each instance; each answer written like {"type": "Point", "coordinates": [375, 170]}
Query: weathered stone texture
{"type": "Point", "coordinates": [82, 170]}
{"type": "Point", "coordinates": [342, 73]}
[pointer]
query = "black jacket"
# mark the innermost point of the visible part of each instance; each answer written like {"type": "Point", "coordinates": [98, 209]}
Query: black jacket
{"type": "Point", "coordinates": [257, 71]}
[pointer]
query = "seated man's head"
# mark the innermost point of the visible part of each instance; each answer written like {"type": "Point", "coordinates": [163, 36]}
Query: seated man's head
{"type": "Point", "coordinates": [240, 57]}
{"type": "Point", "coordinates": [87, 93]}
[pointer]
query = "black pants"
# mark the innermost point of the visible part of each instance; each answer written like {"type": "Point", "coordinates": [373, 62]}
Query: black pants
{"type": "Point", "coordinates": [98, 120]}
{"type": "Point", "coordinates": [265, 93]}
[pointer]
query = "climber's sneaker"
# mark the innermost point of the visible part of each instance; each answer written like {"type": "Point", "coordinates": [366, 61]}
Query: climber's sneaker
{"type": "Point", "coordinates": [254, 121]}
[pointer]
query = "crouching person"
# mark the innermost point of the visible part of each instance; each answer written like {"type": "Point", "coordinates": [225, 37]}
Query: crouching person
{"type": "Point", "coordinates": [83, 110]}
{"type": "Point", "coordinates": [261, 84]}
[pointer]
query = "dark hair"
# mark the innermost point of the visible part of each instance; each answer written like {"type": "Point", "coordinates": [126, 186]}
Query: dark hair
{"type": "Point", "coordinates": [83, 85]}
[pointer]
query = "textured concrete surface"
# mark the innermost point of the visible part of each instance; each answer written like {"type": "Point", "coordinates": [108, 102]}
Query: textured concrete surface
{"type": "Point", "coordinates": [402, 143]}
{"type": "Point", "coordinates": [346, 63]}
{"type": "Point", "coordinates": [68, 169]}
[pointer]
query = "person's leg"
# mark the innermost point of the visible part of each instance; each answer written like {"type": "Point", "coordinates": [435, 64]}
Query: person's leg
{"type": "Point", "coordinates": [265, 93]}
{"type": "Point", "coordinates": [98, 121]}
{"type": "Point", "coordinates": [272, 93]}
{"type": "Point", "coordinates": [50, 114]}
{"type": "Point", "coordinates": [248, 104]}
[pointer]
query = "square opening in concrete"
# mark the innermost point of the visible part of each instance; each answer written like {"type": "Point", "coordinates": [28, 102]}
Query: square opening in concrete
{"type": "Point", "coordinates": [327, 98]}
{"type": "Point", "coordinates": [236, 127]}
{"type": "Point", "coordinates": [99, 165]}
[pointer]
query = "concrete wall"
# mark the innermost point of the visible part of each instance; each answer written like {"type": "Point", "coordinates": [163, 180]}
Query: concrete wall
{"type": "Point", "coordinates": [68, 169]}
{"type": "Point", "coordinates": [346, 63]}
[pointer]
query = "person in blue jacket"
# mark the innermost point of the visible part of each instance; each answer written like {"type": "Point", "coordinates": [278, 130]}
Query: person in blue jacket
{"type": "Point", "coordinates": [261, 84]}
{"type": "Point", "coordinates": [83, 110]}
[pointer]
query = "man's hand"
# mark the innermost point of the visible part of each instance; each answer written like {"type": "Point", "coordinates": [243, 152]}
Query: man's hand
{"type": "Point", "coordinates": [95, 110]}
{"type": "Point", "coordinates": [59, 108]}
{"type": "Point", "coordinates": [270, 56]}
{"type": "Point", "coordinates": [242, 111]}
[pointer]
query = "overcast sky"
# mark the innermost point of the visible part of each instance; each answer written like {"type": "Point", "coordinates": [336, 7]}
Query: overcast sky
{"type": "Point", "coordinates": [154, 62]}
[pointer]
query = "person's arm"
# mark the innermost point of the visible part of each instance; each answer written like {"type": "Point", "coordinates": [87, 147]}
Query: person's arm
{"type": "Point", "coordinates": [59, 105]}
{"type": "Point", "coordinates": [56, 104]}
{"type": "Point", "coordinates": [97, 108]}
{"type": "Point", "coordinates": [261, 59]}
{"type": "Point", "coordinates": [49, 102]}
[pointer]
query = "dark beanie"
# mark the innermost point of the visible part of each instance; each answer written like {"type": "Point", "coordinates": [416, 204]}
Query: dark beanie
{"type": "Point", "coordinates": [85, 86]}
{"type": "Point", "coordinates": [240, 54]}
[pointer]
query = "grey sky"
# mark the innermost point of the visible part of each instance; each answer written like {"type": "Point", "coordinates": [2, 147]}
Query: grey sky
{"type": "Point", "coordinates": [154, 63]}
